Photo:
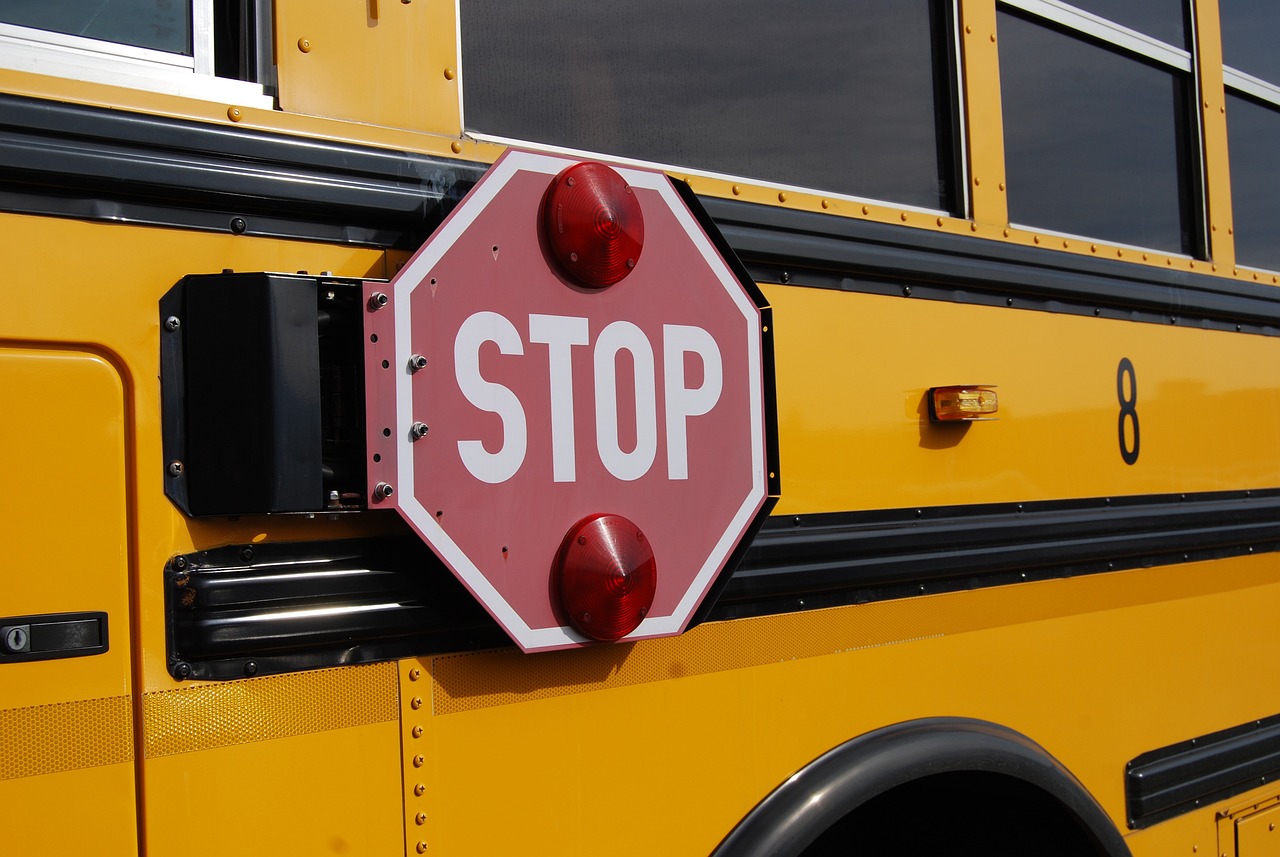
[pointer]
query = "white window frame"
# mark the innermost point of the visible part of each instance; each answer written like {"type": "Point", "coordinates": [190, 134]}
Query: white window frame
{"type": "Point", "coordinates": [98, 61]}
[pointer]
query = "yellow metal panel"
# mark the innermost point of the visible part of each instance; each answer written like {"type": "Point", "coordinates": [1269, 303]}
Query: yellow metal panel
{"type": "Point", "coordinates": [1222, 248]}
{"type": "Point", "coordinates": [66, 725]}
{"type": "Point", "coordinates": [853, 371]}
{"type": "Point", "coordinates": [382, 62]}
{"type": "Point", "coordinates": [699, 749]}
{"type": "Point", "coordinates": [197, 718]}
{"type": "Point", "coordinates": [1257, 834]}
{"type": "Point", "coordinates": [984, 120]}
{"type": "Point", "coordinates": [333, 792]}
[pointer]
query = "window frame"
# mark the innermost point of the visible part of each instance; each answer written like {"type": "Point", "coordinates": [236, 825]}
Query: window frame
{"type": "Point", "coordinates": [27, 49]}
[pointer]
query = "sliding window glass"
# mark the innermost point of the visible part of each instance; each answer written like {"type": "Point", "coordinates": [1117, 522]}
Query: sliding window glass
{"type": "Point", "coordinates": [1099, 134]}
{"type": "Point", "coordinates": [1249, 32]}
{"type": "Point", "coordinates": [845, 96]}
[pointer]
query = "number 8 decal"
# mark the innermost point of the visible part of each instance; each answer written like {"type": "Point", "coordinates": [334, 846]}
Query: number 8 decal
{"type": "Point", "coordinates": [1128, 410]}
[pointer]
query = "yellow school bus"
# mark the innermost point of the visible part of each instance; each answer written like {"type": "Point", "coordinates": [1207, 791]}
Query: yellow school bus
{"type": "Point", "coordinates": [1015, 269]}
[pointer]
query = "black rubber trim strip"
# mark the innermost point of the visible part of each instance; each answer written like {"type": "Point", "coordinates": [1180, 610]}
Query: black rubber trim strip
{"type": "Point", "coordinates": [1182, 777]}
{"type": "Point", "coordinates": [277, 607]}
{"type": "Point", "coordinates": [75, 161]}
{"type": "Point", "coordinates": [811, 561]}
{"type": "Point", "coordinates": [817, 250]}
{"type": "Point", "coordinates": [71, 160]}
{"type": "Point", "coordinates": [813, 799]}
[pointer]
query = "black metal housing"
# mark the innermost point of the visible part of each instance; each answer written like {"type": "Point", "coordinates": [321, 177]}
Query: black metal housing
{"type": "Point", "coordinates": [263, 393]}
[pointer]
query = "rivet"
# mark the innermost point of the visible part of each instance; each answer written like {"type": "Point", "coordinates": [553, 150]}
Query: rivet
{"type": "Point", "coordinates": [422, 848]}
{"type": "Point", "coordinates": [304, 45]}
{"type": "Point", "coordinates": [866, 209]}
{"type": "Point", "coordinates": [993, 38]}
{"type": "Point", "coordinates": [973, 227]}
{"type": "Point", "coordinates": [1213, 228]}
{"type": "Point", "coordinates": [1144, 257]}
{"type": "Point", "coordinates": [1206, 105]}
{"type": "Point", "coordinates": [906, 291]}
{"type": "Point", "coordinates": [903, 215]}
{"type": "Point", "coordinates": [1192, 264]}
{"type": "Point", "coordinates": [419, 790]}
{"type": "Point", "coordinates": [415, 674]}
{"type": "Point", "coordinates": [1006, 233]}
{"type": "Point", "coordinates": [737, 190]}
{"type": "Point", "coordinates": [1169, 262]}
{"type": "Point", "coordinates": [415, 703]}
{"type": "Point", "coordinates": [417, 732]}
{"type": "Point", "coordinates": [1231, 230]}
{"type": "Point", "coordinates": [1093, 248]}
{"type": "Point", "coordinates": [1119, 254]}
{"type": "Point", "coordinates": [782, 196]}
{"type": "Point", "coordinates": [449, 74]}
{"type": "Point", "coordinates": [419, 761]}
{"type": "Point", "coordinates": [420, 818]}
{"type": "Point", "coordinates": [976, 181]}
{"type": "Point", "coordinates": [234, 114]}
{"type": "Point", "coordinates": [455, 147]}
{"type": "Point", "coordinates": [1036, 239]}
{"type": "Point", "coordinates": [1001, 187]}
{"type": "Point", "coordinates": [1222, 109]}
{"type": "Point", "coordinates": [1065, 244]}
{"type": "Point", "coordinates": [939, 221]}
{"type": "Point", "coordinates": [1235, 272]}
{"type": "Point", "coordinates": [968, 30]}
{"type": "Point", "coordinates": [826, 204]}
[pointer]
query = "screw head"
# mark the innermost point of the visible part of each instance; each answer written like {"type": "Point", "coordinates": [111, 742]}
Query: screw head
{"type": "Point", "coordinates": [251, 668]}
{"type": "Point", "coordinates": [181, 670]}
{"type": "Point", "coordinates": [417, 363]}
{"type": "Point", "coordinates": [417, 431]}
{"type": "Point", "coordinates": [377, 301]}
{"type": "Point", "coordinates": [172, 323]}
{"type": "Point", "coordinates": [175, 468]}
{"type": "Point", "coordinates": [383, 490]}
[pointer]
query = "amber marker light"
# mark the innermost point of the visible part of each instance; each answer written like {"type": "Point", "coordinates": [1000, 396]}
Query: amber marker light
{"type": "Point", "coordinates": [963, 403]}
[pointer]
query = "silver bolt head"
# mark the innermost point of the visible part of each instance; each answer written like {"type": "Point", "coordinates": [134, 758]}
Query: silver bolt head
{"type": "Point", "coordinates": [418, 430]}
{"type": "Point", "coordinates": [175, 468]}
{"type": "Point", "coordinates": [383, 490]}
{"type": "Point", "coordinates": [417, 363]}
{"type": "Point", "coordinates": [172, 323]}
{"type": "Point", "coordinates": [378, 300]}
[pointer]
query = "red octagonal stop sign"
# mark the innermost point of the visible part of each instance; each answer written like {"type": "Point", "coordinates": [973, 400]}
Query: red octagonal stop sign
{"type": "Point", "coordinates": [506, 403]}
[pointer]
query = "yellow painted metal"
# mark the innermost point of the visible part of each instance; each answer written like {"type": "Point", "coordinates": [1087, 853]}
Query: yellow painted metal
{"type": "Point", "coordinates": [984, 120]}
{"type": "Point", "coordinates": [1258, 834]}
{"type": "Point", "coordinates": [66, 725]}
{"type": "Point", "coordinates": [853, 372]}
{"type": "Point", "coordinates": [1213, 108]}
{"type": "Point", "coordinates": [381, 62]}
{"type": "Point", "coordinates": [700, 728]}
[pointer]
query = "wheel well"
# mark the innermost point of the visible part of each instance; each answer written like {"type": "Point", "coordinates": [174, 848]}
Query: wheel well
{"type": "Point", "coordinates": [959, 813]}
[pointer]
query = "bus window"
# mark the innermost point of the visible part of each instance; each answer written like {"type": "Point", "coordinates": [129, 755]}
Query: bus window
{"type": "Point", "coordinates": [199, 48]}
{"type": "Point", "coordinates": [854, 98]}
{"type": "Point", "coordinates": [1252, 77]}
{"type": "Point", "coordinates": [1099, 139]}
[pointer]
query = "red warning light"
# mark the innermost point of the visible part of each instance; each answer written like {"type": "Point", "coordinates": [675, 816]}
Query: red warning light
{"type": "Point", "coordinates": [593, 225]}
{"type": "Point", "coordinates": [606, 576]}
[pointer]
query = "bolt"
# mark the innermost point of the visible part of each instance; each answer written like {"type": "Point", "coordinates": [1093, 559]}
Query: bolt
{"type": "Point", "coordinates": [246, 554]}
{"type": "Point", "coordinates": [415, 674]}
{"type": "Point", "coordinates": [419, 761]}
{"type": "Point", "coordinates": [419, 790]}
{"type": "Point", "coordinates": [181, 670]}
{"type": "Point", "coordinates": [238, 225]}
{"type": "Point", "coordinates": [422, 848]}
{"type": "Point", "coordinates": [172, 323]}
{"type": "Point", "coordinates": [382, 491]}
{"type": "Point", "coordinates": [417, 363]}
{"type": "Point", "coordinates": [417, 732]}
{"type": "Point", "coordinates": [250, 667]}
{"type": "Point", "coordinates": [175, 468]}
{"type": "Point", "coordinates": [180, 562]}
{"type": "Point", "coordinates": [418, 431]}
{"type": "Point", "coordinates": [377, 301]}
{"type": "Point", "coordinates": [335, 499]}
{"type": "Point", "coordinates": [415, 703]}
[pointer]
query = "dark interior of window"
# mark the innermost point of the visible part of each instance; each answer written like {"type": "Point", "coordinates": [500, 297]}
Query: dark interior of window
{"type": "Point", "coordinates": [1252, 130]}
{"type": "Point", "coordinates": [849, 97]}
{"type": "Point", "coordinates": [161, 26]}
{"type": "Point", "coordinates": [1249, 31]}
{"type": "Point", "coordinates": [1098, 142]}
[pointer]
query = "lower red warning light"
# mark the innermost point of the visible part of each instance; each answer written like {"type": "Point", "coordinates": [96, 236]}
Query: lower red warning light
{"type": "Point", "coordinates": [606, 576]}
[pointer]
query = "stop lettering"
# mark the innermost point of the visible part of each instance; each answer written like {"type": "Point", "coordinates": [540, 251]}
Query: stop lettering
{"type": "Point", "coordinates": [514, 409]}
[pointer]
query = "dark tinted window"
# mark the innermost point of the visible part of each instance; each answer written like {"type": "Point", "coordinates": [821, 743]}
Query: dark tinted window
{"type": "Point", "coordinates": [1096, 141]}
{"type": "Point", "coordinates": [163, 25]}
{"type": "Point", "coordinates": [1252, 132]}
{"type": "Point", "coordinates": [1250, 30]}
{"type": "Point", "coordinates": [832, 94]}
{"type": "Point", "coordinates": [1161, 19]}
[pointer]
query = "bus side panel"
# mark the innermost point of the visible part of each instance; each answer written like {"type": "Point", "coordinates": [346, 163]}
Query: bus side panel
{"type": "Point", "coordinates": [66, 719]}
